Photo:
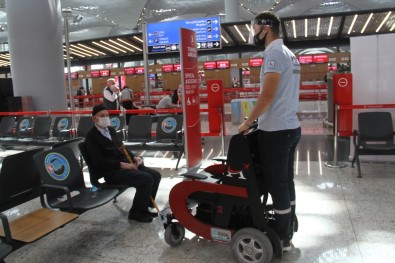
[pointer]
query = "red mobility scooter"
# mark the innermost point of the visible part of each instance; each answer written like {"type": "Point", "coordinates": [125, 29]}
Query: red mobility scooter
{"type": "Point", "coordinates": [232, 210]}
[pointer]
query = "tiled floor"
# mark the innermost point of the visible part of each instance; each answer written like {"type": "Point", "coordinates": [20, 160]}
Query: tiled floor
{"type": "Point", "coordinates": [341, 218]}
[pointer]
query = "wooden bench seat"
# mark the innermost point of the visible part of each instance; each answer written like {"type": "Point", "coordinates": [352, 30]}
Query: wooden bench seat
{"type": "Point", "coordinates": [37, 224]}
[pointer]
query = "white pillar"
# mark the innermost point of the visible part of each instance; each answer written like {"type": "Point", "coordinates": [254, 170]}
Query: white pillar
{"type": "Point", "coordinates": [35, 42]}
{"type": "Point", "coordinates": [231, 11]}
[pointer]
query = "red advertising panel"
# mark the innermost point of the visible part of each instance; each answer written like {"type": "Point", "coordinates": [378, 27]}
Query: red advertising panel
{"type": "Point", "coordinates": [190, 97]}
{"type": "Point", "coordinates": [104, 73]}
{"type": "Point", "coordinates": [139, 70]}
{"type": "Point", "coordinates": [305, 59]}
{"type": "Point", "coordinates": [129, 71]}
{"type": "Point", "coordinates": [177, 67]}
{"type": "Point", "coordinates": [323, 58]}
{"type": "Point", "coordinates": [95, 74]}
{"type": "Point", "coordinates": [342, 95]}
{"type": "Point", "coordinates": [215, 100]}
{"type": "Point", "coordinates": [168, 68]}
{"type": "Point", "coordinates": [210, 65]}
{"type": "Point", "coordinates": [256, 62]}
{"type": "Point", "coordinates": [74, 75]}
{"type": "Point", "coordinates": [223, 64]}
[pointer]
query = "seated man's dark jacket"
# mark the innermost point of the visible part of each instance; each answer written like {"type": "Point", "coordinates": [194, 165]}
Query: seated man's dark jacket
{"type": "Point", "coordinates": [105, 154]}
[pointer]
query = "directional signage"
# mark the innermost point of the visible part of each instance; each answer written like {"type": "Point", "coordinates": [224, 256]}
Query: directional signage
{"type": "Point", "coordinates": [164, 36]}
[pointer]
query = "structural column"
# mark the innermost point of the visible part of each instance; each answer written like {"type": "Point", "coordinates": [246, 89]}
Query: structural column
{"type": "Point", "coordinates": [35, 42]}
{"type": "Point", "coordinates": [232, 11]}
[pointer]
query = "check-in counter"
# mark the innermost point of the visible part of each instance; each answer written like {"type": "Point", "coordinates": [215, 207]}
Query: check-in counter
{"type": "Point", "coordinates": [241, 108]}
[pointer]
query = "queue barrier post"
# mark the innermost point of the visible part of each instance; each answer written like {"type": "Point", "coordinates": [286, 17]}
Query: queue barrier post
{"type": "Point", "coordinates": [335, 163]}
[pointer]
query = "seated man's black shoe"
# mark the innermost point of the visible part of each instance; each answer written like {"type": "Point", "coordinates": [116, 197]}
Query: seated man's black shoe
{"type": "Point", "coordinates": [140, 217]}
{"type": "Point", "coordinates": [152, 214]}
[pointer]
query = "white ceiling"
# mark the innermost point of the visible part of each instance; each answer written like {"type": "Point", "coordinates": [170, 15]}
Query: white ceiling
{"type": "Point", "coordinates": [106, 18]}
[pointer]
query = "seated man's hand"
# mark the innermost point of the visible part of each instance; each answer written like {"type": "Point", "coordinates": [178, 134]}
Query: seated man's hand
{"type": "Point", "coordinates": [138, 160]}
{"type": "Point", "coordinates": [128, 166]}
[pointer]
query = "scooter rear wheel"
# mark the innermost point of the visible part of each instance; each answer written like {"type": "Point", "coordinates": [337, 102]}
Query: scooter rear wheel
{"type": "Point", "coordinates": [251, 245]}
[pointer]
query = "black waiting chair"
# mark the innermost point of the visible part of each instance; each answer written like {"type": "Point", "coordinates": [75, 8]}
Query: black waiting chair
{"type": "Point", "coordinates": [118, 123]}
{"type": "Point", "coordinates": [62, 175]}
{"type": "Point", "coordinates": [24, 127]}
{"type": "Point", "coordinates": [94, 175]}
{"type": "Point", "coordinates": [41, 128]}
{"type": "Point", "coordinates": [84, 125]}
{"type": "Point", "coordinates": [61, 128]}
{"type": "Point", "coordinates": [169, 136]}
{"type": "Point", "coordinates": [73, 144]}
{"type": "Point", "coordinates": [374, 136]}
{"type": "Point", "coordinates": [139, 131]}
{"type": "Point", "coordinates": [7, 124]}
{"type": "Point", "coordinates": [20, 183]}
{"type": "Point", "coordinates": [6, 245]}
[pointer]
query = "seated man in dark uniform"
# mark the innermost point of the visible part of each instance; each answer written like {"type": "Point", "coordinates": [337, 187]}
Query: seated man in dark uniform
{"type": "Point", "coordinates": [104, 148]}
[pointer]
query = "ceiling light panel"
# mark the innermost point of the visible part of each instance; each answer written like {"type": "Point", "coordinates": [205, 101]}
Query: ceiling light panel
{"type": "Point", "coordinates": [224, 35]}
{"type": "Point", "coordinates": [367, 23]}
{"type": "Point", "coordinates": [239, 31]}
{"type": "Point", "coordinates": [317, 28]}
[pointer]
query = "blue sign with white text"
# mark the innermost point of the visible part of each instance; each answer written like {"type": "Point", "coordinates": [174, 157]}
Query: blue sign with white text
{"type": "Point", "coordinates": [165, 36]}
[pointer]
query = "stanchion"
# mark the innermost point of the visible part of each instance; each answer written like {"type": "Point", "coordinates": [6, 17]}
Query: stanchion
{"type": "Point", "coordinates": [222, 131]}
{"type": "Point", "coordinates": [335, 163]}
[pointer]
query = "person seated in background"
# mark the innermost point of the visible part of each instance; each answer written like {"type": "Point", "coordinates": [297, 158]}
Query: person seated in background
{"type": "Point", "coordinates": [166, 103]}
{"type": "Point", "coordinates": [104, 147]}
{"type": "Point", "coordinates": [80, 92]}
{"type": "Point", "coordinates": [176, 97]}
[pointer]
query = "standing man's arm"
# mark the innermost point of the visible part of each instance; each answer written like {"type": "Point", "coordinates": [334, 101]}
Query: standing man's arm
{"type": "Point", "coordinates": [265, 99]}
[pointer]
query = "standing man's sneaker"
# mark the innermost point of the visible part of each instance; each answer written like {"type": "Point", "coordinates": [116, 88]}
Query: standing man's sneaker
{"type": "Point", "coordinates": [287, 245]}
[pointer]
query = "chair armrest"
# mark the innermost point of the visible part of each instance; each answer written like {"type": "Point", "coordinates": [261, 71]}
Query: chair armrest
{"type": "Point", "coordinates": [354, 137]}
{"type": "Point", "coordinates": [65, 189]}
{"type": "Point", "coordinates": [179, 136]}
{"type": "Point", "coordinates": [6, 228]}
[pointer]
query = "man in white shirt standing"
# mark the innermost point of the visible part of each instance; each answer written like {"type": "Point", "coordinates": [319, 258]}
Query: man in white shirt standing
{"type": "Point", "coordinates": [111, 95]}
{"type": "Point", "coordinates": [279, 127]}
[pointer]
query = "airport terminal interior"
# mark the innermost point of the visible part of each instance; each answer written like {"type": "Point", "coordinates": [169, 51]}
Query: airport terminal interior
{"type": "Point", "coordinates": [341, 218]}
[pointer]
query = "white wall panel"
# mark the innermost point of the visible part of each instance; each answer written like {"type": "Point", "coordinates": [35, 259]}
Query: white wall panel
{"type": "Point", "coordinates": [373, 69]}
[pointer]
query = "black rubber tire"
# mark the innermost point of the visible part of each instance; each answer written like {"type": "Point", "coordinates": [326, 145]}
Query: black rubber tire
{"type": "Point", "coordinates": [251, 245]}
{"type": "Point", "coordinates": [174, 234]}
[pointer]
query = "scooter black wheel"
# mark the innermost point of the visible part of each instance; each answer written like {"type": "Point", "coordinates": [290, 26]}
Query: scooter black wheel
{"type": "Point", "coordinates": [174, 234]}
{"type": "Point", "coordinates": [251, 245]}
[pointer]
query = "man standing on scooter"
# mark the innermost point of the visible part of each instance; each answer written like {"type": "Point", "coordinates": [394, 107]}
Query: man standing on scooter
{"type": "Point", "coordinates": [278, 123]}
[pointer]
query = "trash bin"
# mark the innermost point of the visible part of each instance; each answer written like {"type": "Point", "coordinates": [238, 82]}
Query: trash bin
{"type": "Point", "coordinates": [241, 108]}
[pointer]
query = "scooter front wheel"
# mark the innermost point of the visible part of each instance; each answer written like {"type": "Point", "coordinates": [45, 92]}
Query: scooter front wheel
{"type": "Point", "coordinates": [174, 234]}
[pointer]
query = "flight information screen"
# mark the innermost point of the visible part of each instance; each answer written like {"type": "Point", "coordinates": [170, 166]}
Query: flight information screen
{"type": "Point", "coordinates": [165, 36]}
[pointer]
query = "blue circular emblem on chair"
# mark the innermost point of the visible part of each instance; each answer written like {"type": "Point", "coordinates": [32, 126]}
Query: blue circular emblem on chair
{"type": "Point", "coordinates": [57, 166]}
{"type": "Point", "coordinates": [115, 122]}
{"type": "Point", "coordinates": [169, 124]}
{"type": "Point", "coordinates": [24, 124]}
{"type": "Point", "coordinates": [63, 124]}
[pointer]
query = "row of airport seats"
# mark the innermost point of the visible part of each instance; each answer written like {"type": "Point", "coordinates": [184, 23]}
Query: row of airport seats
{"type": "Point", "coordinates": [34, 130]}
